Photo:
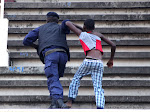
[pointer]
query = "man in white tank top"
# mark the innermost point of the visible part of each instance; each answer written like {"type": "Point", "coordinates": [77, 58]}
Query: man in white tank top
{"type": "Point", "coordinates": [92, 64]}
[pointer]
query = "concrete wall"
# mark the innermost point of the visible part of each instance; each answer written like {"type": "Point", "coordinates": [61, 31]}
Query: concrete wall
{"type": "Point", "coordinates": [3, 42]}
{"type": "Point", "coordinates": [4, 37]}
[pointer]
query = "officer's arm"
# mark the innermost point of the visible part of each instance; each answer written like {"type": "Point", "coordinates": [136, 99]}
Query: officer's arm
{"type": "Point", "coordinates": [73, 28]}
{"type": "Point", "coordinates": [31, 37]}
{"type": "Point", "coordinates": [64, 27]}
{"type": "Point", "coordinates": [79, 27]}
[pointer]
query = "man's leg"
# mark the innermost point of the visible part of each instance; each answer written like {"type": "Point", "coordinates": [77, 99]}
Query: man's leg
{"type": "Point", "coordinates": [97, 74]}
{"type": "Point", "coordinates": [63, 58]}
{"type": "Point", "coordinates": [54, 85]}
{"type": "Point", "coordinates": [83, 70]}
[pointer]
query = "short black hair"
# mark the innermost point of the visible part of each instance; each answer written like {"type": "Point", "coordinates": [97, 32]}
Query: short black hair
{"type": "Point", "coordinates": [54, 14]}
{"type": "Point", "coordinates": [89, 24]}
{"type": "Point", "coordinates": [52, 19]}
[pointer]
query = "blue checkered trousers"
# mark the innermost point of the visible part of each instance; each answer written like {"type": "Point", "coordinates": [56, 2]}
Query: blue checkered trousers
{"type": "Point", "coordinates": [95, 69]}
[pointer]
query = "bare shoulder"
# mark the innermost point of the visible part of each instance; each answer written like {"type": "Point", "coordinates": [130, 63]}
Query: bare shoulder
{"type": "Point", "coordinates": [109, 42]}
{"type": "Point", "coordinates": [98, 34]}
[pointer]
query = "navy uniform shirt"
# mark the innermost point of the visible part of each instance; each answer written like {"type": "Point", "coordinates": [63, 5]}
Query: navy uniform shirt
{"type": "Point", "coordinates": [32, 36]}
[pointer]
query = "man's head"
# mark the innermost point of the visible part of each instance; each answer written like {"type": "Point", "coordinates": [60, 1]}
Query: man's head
{"type": "Point", "coordinates": [89, 25]}
{"type": "Point", "coordinates": [52, 17]}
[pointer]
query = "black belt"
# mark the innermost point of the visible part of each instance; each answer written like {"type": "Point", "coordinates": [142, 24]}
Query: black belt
{"type": "Point", "coordinates": [54, 50]}
{"type": "Point", "coordinates": [92, 58]}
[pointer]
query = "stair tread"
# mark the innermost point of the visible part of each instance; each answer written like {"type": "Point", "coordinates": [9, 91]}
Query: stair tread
{"type": "Point", "coordinates": [84, 83]}
{"type": "Point", "coordinates": [140, 42]}
{"type": "Point", "coordinates": [81, 55]}
{"type": "Point", "coordinates": [78, 17]}
{"type": "Point", "coordinates": [115, 30]}
{"type": "Point", "coordinates": [81, 5]}
{"type": "Point", "coordinates": [90, 98]}
{"type": "Point", "coordinates": [38, 70]}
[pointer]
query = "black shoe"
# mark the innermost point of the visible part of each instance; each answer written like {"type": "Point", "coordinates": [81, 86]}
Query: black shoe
{"type": "Point", "coordinates": [61, 104]}
{"type": "Point", "coordinates": [53, 104]}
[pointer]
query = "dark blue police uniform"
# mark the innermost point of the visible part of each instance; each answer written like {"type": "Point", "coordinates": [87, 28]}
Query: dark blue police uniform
{"type": "Point", "coordinates": [51, 36]}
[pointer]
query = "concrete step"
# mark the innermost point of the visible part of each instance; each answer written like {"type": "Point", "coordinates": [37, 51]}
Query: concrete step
{"type": "Point", "coordinates": [18, 73]}
{"type": "Point", "coordinates": [98, 24]}
{"type": "Point", "coordinates": [81, 55]}
{"type": "Point", "coordinates": [116, 37]}
{"type": "Point", "coordinates": [109, 91]}
{"type": "Point", "coordinates": [104, 17]}
{"type": "Point", "coordinates": [81, 99]}
{"type": "Point", "coordinates": [76, 43]}
{"type": "Point", "coordinates": [54, 1]}
{"type": "Point", "coordinates": [128, 30]}
{"type": "Point", "coordinates": [88, 102]}
{"type": "Point", "coordinates": [37, 70]}
{"type": "Point", "coordinates": [79, 5]}
{"type": "Point", "coordinates": [84, 83]}
{"type": "Point", "coordinates": [77, 11]}
{"type": "Point", "coordinates": [78, 62]}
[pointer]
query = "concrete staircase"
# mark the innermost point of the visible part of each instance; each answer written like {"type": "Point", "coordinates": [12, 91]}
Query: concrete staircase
{"type": "Point", "coordinates": [126, 22]}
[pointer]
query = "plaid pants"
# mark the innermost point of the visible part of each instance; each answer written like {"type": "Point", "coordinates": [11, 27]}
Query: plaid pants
{"type": "Point", "coordinates": [95, 69]}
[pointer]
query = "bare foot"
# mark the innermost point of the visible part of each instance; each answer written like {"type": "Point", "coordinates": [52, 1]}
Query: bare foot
{"type": "Point", "coordinates": [69, 103]}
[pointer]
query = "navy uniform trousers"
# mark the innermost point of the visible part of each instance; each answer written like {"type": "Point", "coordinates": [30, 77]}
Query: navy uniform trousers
{"type": "Point", "coordinates": [54, 69]}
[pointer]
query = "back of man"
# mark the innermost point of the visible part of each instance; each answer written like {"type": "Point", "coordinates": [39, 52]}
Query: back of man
{"type": "Point", "coordinates": [51, 34]}
{"type": "Point", "coordinates": [54, 53]}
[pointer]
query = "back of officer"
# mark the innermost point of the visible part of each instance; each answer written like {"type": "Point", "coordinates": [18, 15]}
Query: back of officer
{"type": "Point", "coordinates": [53, 51]}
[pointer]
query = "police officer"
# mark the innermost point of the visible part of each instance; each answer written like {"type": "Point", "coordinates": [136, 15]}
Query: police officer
{"type": "Point", "coordinates": [54, 53]}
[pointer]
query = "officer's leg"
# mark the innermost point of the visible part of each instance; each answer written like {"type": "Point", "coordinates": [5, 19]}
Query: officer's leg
{"type": "Point", "coordinates": [51, 71]}
{"type": "Point", "coordinates": [61, 67]}
{"type": "Point", "coordinates": [54, 86]}
{"type": "Point", "coordinates": [63, 58]}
